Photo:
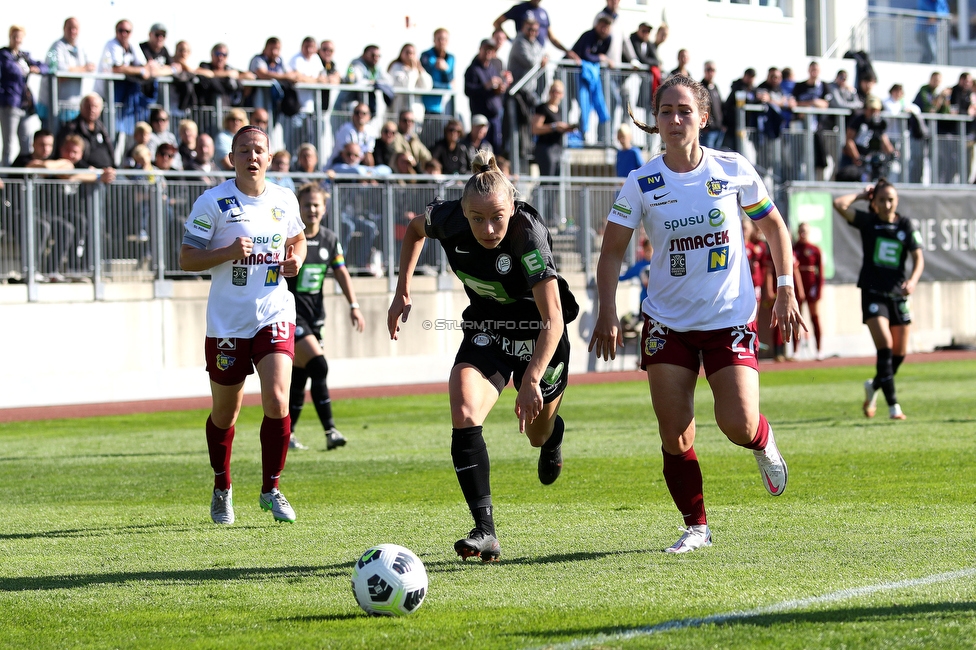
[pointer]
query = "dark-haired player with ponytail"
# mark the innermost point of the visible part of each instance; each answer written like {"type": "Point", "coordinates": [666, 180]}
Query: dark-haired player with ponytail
{"type": "Point", "coordinates": [887, 239]}
{"type": "Point", "coordinates": [324, 252]}
{"type": "Point", "coordinates": [515, 326]}
{"type": "Point", "coordinates": [701, 303]}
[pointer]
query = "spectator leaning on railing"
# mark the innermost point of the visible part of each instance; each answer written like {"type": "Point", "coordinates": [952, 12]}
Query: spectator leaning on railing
{"type": "Point", "coordinates": [67, 55]}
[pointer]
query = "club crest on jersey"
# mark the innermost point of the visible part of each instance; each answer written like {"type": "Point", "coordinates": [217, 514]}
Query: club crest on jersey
{"type": "Point", "coordinates": [224, 362]}
{"type": "Point", "coordinates": [277, 214]}
{"type": "Point", "coordinates": [653, 345]}
{"type": "Point", "coordinates": [504, 263]}
{"type": "Point", "coordinates": [481, 340]}
{"type": "Point", "coordinates": [650, 183]}
{"type": "Point", "coordinates": [716, 186]}
{"type": "Point", "coordinates": [324, 254]}
{"type": "Point", "coordinates": [238, 276]}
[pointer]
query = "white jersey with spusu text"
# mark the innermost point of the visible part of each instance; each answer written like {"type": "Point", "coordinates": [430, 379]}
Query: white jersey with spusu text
{"type": "Point", "coordinates": [247, 294]}
{"type": "Point", "coordinates": [699, 275]}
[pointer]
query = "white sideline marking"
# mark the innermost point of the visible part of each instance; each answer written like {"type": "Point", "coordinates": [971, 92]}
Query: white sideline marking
{"type": "Point", "coordinates": [682, 623]}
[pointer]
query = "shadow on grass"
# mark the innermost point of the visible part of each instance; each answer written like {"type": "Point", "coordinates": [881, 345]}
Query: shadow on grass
{"type": "Point", "coordinates": [320, 618]}
{"type": "Point", "coordinates": [39, 583]}
{"type": "Point", "coordinates": [69, 533]}
{"type": "Point", "coordinates": [59, 457]}
{"type": "Point", "coordinates": [839, 615]}
{"type": "Point", "coordinates": [448, 566]}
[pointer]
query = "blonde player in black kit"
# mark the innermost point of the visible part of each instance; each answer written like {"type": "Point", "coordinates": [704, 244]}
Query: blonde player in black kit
{"type": "Point", "coordinates": [501, 250]}
{"type": "Point", "coordinates": [887, 239]}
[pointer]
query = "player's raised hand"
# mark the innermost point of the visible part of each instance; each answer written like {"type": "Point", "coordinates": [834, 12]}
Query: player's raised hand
{"type": "Point", "coordinates": [292, 263]}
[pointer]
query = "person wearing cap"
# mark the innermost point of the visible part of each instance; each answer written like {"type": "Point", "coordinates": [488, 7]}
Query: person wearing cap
{"type": "Point", "coordinates": [594, 44]}
{"type": "Point", "coordinates": [155, 52]}
{"type": "Point", "coordinates": [865, 135]}
{"type": "Point", "coordinates": [475, 139]}
{"type": "Point", "coordinates": [485, 84]}
{"type": "Point", "coordinates": [155, 48]}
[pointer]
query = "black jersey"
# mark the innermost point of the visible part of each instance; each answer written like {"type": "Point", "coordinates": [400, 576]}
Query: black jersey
{"type": "Point", "coordinates": [324, 251]}
{"type": "Point", "coordinates": [499, 281]}
{"type": "Point", "coordinates": [885, 247]}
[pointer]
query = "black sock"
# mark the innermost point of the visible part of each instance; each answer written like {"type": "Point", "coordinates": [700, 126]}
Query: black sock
{"type": "Point", "coordinates": [556, 438]}
{"type": "Point", "coordinates": [296, 397]}
{"type": "Point", "coordinates": [896, 360]}
{"type": "Point", "coordinates": [473, 471]}
{"type": "Point", "coordinates": [885, 379]}
{"type": "Point", "coordinates": [318, 370]}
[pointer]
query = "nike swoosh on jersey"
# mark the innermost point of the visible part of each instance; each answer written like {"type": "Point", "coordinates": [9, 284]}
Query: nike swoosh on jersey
{"type": "Point", "coordinates": [660, 196]}
{"type": "Point", "coordinates": [458, 250]}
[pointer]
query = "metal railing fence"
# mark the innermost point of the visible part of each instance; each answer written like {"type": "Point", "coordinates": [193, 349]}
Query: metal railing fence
{"type": "Point", "coordinates": [59, 229]}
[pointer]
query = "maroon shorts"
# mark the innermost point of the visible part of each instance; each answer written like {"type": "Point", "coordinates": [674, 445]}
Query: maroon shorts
{"type": "Point", "coordinates": [230, 361]}
{"type": "Point", "coordinates": [717, 349]}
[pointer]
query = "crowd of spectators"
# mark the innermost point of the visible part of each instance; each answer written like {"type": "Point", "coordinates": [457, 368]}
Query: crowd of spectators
{"type": "Point", "coordinates": [485, 82]}
{"type": "Point", "coordinates": [382, 136]}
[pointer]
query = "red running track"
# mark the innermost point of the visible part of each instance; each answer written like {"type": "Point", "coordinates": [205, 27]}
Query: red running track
{"type": "Point", "coordinates": [153, 406]}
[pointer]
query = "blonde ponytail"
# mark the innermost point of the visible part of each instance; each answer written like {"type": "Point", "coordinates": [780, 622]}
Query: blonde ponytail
{"type": "Point", "coordinates": [487, 179]}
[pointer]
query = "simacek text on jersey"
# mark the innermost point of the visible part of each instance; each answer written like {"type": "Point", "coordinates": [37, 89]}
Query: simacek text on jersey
{"type": "Point", "coordinates": [444, 324]}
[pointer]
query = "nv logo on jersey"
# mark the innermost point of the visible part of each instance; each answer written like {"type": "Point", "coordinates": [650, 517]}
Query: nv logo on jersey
{"type": "Point", "coordinates": [718, 259]}
{"type": "Point", "coordinates": [226, 204]}
{"type": "Point", "coordinates": [650, 183]}
{"type": "Point", "coordinates": [271, 279]}
{"type": "Point", "coordinates": [716, 186]}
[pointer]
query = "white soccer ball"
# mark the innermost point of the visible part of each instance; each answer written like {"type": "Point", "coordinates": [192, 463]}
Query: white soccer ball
{"type": "Point", "coordinates": [389, 580]}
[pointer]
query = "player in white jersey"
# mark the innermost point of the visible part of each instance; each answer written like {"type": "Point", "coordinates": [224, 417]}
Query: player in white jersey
{"type": "Point", "coordinates": [701, 304]}
{"type": "Point", "coordinates": [249, 234]}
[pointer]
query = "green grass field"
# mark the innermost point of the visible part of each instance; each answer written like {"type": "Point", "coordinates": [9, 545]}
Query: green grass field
{"type": "Point", "coordinates": [106, 539]}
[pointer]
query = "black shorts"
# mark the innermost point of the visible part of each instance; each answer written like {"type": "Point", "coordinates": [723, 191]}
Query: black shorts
{"type": "Point", "coordinates": [303, 328]}
{"type": "Point", "coordinates": [894, 308]}
{"type": "Point", "coordinates": [509, 353]}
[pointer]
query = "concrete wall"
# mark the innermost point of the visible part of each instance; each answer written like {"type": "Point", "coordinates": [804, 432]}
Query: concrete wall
{"type": "Point", "coordinates": [69, 349]}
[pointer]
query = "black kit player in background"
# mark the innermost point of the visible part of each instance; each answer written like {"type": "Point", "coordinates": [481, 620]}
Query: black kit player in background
{"type": "Point", "coordinates": [887, 239]}
{"type": "Point", "coordinates": [501, 250]}
{"type": "Point", "coordinates": [324, 252]}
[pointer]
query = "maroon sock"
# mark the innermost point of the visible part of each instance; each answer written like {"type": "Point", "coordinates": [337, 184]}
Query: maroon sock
{"type": "Point", "coordinates": [219, 443]}
{"type": "Point", "coordinates": [683, 476]}
{"type": "Point", "coordinates": [816, 329]}
{"type": "Point", "coordinates": [274, 448]}
{"type": "Point", "coordinates": [762, 435]}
